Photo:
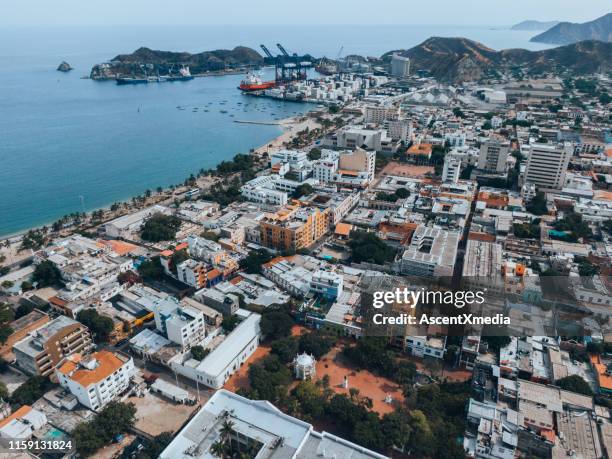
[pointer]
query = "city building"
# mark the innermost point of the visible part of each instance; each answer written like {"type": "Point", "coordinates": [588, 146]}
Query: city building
{"type": "Point", "coordinates": [451, 172]}
{"type": "Point", "coordinates": [226, 358]}
{"type": "Point", "coordinates": [42, 350]}
{"type": "Point", "coordinates": [432, 253]}
{"type": "Point", "coordinates": [22, 326]}
{"type": "Point", "coordinates": [304, 366]}
{"type": "Point", "coordinates": [378, 114]}
{"type": "Point", "coordinates": [355, 169]}
{"type": "Point", "coordinates": [180, 323]}
{"type": "Point", "coordinates": [258, 424]}
{"type": "Point", "coordinates": [198, 274]}
{"type": "Point", "coordinates": [547, 165]}
{"type": "Point", "coordinates": [493, 155]}
{"type": "Point", "coordinates": [96, 379]}
{"type": "Point", "coordinates": [400, 66]}
{"type": "Point", "coordinates": [327, 284]}
{"type": "Point", "coordinates": [127, 226]}
{"type": "Point", "coordinates": [426, 346]}
{"type": "Point", "coordinates": [294, 227]}
{"type": "Point", "coordinates": [22, 424]}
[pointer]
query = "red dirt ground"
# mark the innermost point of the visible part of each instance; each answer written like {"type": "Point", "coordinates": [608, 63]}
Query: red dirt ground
{"type": "Point", "coordinates": [240, 379]}
{"type": "Point", "coordinates": [369, 385]}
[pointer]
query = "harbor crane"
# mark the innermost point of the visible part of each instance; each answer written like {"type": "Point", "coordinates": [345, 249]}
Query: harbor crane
{"type": "Point", "coordinates": [288, 67]}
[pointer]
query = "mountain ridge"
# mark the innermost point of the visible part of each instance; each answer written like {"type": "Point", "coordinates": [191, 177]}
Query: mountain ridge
{"type": "Point", "coordinates": [460, 59]}
{"type": "Point", "coordinates": [531, 24]}
{"type": "Point", "coordinates": [569, 32]}
{"type": "Point", "coordinates": [162, 62]}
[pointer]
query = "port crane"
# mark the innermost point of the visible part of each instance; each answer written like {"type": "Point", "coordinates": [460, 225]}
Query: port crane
{"type": "Point", "coordinates": [288, 67]}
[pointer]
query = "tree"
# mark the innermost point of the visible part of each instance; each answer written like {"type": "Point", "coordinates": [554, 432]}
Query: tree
{"type": "Point", "coordinates": [6, 313]}
{"type": "Point", "coordinates": [151, 269]}
{"type": "Point", "coordinates": [229, 323]}
{"type": "Point", "coordinates": [31, 390]}
{"type": "Point", "coordinates": [46, 274]}
{"type": "Point", "coordinates": [4, 393]}
{"type": "Point", "coordinates": [253, 261]}
{"type": "Point", "coordinates": [314, 154]}
{"type": "Point", "coordinates": [370, 248]}
{"type": "Point", "coordinates": [275, 324]}
{"type": "Point", "coordinates": [573, 222]}
{"type": "Point", "coordinates": [160, 227]}
{"type": "Point", "coordinates": [33, 240]}
{"type": "Point", "coordinates": [269, 378]}
{"type": "Point", "coordinates": [575, 383]}
{"type": "Point", "coordinates": [100, 326]}
{"type": "Point", "coordinates": [199, 353]}
{"type": "Point", "coordinates": [402, 193]}
{"type": "Point", "coordinates": [302, 190]}
{"type": "Point", "coordinates": [537, 205]}
{"type": "Point", "coordinates": [114, 419]}
{"type": "Point", "coordinates": [5, 333]}
{"type": "Point", "coordinates": [285, 348]}
{"type": "Point", "coordinates": [315, 343]}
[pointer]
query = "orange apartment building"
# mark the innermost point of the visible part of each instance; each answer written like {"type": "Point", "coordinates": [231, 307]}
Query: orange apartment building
{"type": "Point", "coordinates": [293, 227]}
{"type": "Point", "coordinates": [43, 349]}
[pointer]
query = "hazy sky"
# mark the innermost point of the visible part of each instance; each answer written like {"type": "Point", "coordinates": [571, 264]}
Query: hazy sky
{"type": "Point", "coordinates": [374, 12]}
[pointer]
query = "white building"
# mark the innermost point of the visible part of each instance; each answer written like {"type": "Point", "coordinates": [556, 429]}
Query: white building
{"type": "Point", "coordinates": [493, 155]}
{"type": "Point", "coordinates": [260, 424]}
{"type": "Point", "coordinates": [22, 424]}
{"type": "Point", "coordinates": [400, 130]}
{"type": "Point", "coordinates": [432, 253]}
{"type": "Point", "coordinates": [356, 169]}
{"type": "Point", "coordinates": [225, 359]}
{"type": "Point", "coordinates": [181, 324]}
{"type": "Point", "coordinates": [547, 165]}
{"type": "Point", "coordinates": [125, 227]}
{"type": "Point", "coordinates": [263, 190]}
{"type": "Point", "coordinates": [96, 379]}
{"type": "Point", "coordinates": [193, 273]}
{"type": "Point", "coordinates": [295, 159]}
{"type": "Point", "coordinates": [400, 66]}
{"type": "Point", "coordinates": [426, 346]}
{"type": "Point", "coordinates": [304, 366]}
{"type": "Point", "coordinates": [324, 169]}
{"type": "Point", "coordinates": [452, 169]}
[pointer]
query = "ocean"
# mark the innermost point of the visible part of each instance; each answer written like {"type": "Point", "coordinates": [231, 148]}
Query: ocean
{"type": "Point", "coordinates": [70, 144]}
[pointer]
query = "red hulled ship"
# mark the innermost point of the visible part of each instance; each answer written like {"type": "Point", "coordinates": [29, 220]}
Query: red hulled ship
{"type": "Point", "coordinates": [254, 83]}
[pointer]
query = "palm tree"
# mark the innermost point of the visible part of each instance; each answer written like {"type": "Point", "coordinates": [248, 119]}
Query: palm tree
{"type": "Point", "coordinates": [227, 429]}
{"type": "Point", "coordinates": [218, 449]}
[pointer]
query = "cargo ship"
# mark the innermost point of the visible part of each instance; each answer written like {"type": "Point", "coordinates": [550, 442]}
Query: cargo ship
{"type": "Point", "coordinates": [254, 83]}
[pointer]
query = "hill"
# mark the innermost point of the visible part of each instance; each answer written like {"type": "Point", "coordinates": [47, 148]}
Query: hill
{"type": "Point", "coordinates": [161, 62]}
{"type": "Point", "coordinates": [459, 59]}
{"type": "Point", "coordinates": [569, 32]}
{"type": "Point", "coordinates": [534, 25]}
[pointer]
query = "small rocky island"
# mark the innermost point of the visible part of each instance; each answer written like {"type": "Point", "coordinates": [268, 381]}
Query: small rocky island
{"type": "Point", "coordinates": [64, 67]}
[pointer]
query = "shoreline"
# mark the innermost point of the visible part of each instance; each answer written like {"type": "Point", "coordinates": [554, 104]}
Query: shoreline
{"type": "Point", "coordinates": [289, 126]}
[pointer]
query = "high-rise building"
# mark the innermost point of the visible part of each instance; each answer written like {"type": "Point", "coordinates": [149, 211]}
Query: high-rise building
{"type": "Point", "coordinates": [378, 114]}
{"type": "Point", "coordinates": [96, 379]}
{"type": "Point", "coordinates": [452, 169]}
{"type": "Point", "coordinates": [42, 350]}
{"type": "Point", "coordinates": [294, 227]}
{"type": "Point", "coordinates": [400, 66]}
{"type": "Point", "coordinates": [547, 165]}
{"type": "Point", "coordinates": [494, 154]}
